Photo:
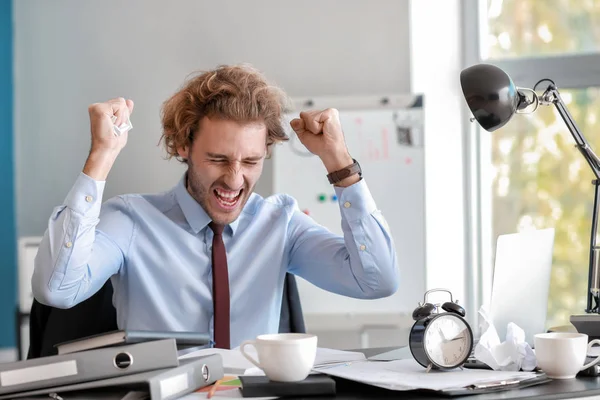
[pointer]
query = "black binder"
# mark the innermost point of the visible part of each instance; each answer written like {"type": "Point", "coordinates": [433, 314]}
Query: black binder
{"type": "Point", "coordinates": [261, 386]}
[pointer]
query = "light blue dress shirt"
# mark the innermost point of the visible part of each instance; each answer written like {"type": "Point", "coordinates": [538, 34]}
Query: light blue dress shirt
{"type": "Point", "coordinates": [156, 249]}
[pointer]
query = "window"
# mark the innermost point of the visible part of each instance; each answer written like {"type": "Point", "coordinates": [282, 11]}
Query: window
{"type": "Point", "coordinates": [541, 180]}
{"type": "Point", "coordinates": [524, 28]}
{"type": "Point", "coordinates": [529, 172]}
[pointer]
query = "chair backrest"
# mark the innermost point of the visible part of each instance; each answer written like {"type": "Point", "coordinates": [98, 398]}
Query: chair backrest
{"type": "Point", "coordinates": [49, 326]}
{"type": "Point", "coordinates": [291, 319]}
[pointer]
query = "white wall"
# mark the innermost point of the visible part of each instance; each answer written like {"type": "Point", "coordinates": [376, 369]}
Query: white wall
{"type": "Point", "coordinates": [70, 53]}
{"type": "Point", "coordinates": [436, 62]}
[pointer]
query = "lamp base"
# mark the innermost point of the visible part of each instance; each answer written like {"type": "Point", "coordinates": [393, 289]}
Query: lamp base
{"type": "Point", "coordinates": [588, 324]}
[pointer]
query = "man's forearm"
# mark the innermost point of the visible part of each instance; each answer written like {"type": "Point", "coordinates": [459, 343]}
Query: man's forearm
{"type": "Point", "coordinates": [99, 163]}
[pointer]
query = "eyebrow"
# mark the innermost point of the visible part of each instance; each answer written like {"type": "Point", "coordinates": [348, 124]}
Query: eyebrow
{"type": "Point", "coordinates": [224, 157]}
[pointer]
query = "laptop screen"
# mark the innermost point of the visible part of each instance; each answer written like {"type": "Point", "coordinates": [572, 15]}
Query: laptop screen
{"type": "Point", "coordinates": [521, 281]}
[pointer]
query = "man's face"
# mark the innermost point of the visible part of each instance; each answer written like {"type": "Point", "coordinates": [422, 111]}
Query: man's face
{"type": "Point", "coordinates": [224, 164]}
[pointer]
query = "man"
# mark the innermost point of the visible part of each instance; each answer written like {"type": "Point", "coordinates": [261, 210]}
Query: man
{"type": "Point", "coordinates": [210, 255]}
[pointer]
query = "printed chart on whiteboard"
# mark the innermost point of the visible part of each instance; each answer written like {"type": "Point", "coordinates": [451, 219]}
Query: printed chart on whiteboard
{"type": "Point", "coordinates": [385, 135]}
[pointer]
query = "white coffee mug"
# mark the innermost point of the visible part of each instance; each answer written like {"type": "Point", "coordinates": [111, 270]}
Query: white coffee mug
{"type": "Point", "coordinates": [284, 357]}
{"type": "Point", "coordinates": [561, 354]}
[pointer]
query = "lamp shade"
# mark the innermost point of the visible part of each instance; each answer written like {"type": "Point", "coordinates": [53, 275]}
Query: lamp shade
{"type": "Point", "coordinates": [490, 94]}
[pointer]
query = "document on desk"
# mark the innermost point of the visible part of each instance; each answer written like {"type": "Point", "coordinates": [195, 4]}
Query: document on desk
{"type": "Point", "coordinates": [409, 375]}
{"type": "Point", "coordinates": [235, 363]}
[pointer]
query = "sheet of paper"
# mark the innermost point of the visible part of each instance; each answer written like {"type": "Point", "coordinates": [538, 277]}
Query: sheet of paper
{"type": "Point", "coordinates": [234, 361]}
{"type": "Point", "coordinates": [332, 356]}
{"type": "Point", "coordinates": [409, 375]}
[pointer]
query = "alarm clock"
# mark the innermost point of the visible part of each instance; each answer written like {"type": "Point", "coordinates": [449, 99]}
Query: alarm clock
{"type": "Point", "coordinates": [440, 340]}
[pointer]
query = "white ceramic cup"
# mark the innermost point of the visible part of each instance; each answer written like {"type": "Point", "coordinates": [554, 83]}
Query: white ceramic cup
{"type": "Point", "coordinates": [284, 357]}
{"type": "Point", "coordinates": [561, 354]}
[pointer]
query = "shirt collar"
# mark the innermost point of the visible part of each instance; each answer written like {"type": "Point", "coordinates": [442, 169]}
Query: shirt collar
{"type": "Point", "coordinates": [195, 215]}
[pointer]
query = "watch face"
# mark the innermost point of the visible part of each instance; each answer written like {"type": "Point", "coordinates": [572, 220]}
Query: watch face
{"type": "Point", "coordinates": [448, 341]}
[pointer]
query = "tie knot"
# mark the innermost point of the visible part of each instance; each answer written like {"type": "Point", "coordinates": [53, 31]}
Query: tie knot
{"type": "Point", "coordinates": [216, 228]}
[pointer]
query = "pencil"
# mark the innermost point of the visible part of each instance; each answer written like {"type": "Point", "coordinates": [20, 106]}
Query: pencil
{"type": "Point", "coordinates": [214, 388]}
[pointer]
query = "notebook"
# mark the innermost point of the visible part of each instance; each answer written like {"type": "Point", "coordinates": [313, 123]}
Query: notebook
{"type": "Point", "coordinates": [261, 386]}
{"type": "Point", "coordinates": [119, 337]}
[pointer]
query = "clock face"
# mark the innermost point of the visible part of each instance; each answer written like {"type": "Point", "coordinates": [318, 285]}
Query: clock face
{"type": "Point", "coordinates": [448, 341]}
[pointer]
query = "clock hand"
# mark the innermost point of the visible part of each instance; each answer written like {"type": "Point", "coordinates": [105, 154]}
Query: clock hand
{"type": "Point", "coordinates": [458, 337]}
{"type": "Point", "coordinates": [444, 340]}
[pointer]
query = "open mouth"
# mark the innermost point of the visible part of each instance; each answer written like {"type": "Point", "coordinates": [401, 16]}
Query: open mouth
{"type": "Point", "coordinates": [228, 199]}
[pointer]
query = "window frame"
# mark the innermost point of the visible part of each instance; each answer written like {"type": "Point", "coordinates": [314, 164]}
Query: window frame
{"type": "Point", "coordinates": [569, 71]}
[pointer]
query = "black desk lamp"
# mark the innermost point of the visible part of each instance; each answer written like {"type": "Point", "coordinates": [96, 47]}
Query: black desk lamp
{"type": "Point", "coordinates": [493, 99]}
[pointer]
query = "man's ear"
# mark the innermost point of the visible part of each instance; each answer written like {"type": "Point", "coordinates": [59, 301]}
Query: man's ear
{"type": "Point", "coordinates": [183, 152]}
{"type": "Point", "coordinates": [268, 150]}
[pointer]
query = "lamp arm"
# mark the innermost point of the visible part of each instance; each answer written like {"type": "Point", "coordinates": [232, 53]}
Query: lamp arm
{"type": "Point", "coordinates": [551, 95]}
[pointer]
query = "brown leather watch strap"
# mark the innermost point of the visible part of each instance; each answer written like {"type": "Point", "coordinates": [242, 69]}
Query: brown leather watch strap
{"type": "Point", "coordinates": [341, 174]}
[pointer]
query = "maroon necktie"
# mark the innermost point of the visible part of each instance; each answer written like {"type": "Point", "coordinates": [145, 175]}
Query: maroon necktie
{"type": "Point", "coordinates": [220, 288]}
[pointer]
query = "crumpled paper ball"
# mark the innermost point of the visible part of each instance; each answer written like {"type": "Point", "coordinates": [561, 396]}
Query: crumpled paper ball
{"type": "Point", "coordinates": [512, 354]}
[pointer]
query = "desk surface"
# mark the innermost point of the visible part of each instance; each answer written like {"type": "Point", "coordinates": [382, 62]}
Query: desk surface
{"type": "Point", "coordinates": [557, 389]}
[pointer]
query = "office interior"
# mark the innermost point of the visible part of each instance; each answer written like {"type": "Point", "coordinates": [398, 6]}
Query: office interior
{"type": "Point", "coordinates": [57, 57]}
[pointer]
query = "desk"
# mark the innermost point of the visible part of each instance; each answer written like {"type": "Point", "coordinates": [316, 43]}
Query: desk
{"type": "Point", "coordinates": [580, 388]}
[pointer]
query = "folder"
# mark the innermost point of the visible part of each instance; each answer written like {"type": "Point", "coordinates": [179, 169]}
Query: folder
{"type": "Point", "coordinates": [87, 365]}
{"type": "Point", "coordinates": [492, 387]}
{"type": "Point", "coordinates": [162, 384]}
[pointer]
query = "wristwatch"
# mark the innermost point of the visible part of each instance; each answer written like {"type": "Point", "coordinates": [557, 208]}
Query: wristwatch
{"type": "Point", "coordinates": [341, 174]}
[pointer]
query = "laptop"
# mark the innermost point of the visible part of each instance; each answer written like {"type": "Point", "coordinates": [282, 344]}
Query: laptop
{"type": "Point", "coordinates": [521, 284]}
{"type": "Point", "coordinates": [521, 281]}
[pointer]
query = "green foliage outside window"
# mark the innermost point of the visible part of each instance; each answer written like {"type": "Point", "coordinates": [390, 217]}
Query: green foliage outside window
{"type": "Point", "coordinates": [540, 179]}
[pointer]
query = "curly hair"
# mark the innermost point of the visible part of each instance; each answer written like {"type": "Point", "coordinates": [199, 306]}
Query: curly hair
{"type": "Point", "coordinates": [239, 93]}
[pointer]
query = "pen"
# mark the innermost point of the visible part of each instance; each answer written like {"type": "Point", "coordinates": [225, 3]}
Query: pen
{"type": "Point", "coordinates": [214, 388]}
{"type": "Point", "coordinates": [333, 365]}
{"type": "Point", "coordinates": [491, 384]}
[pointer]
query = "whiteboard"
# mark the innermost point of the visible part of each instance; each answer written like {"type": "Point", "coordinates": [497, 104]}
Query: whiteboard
{"type": "Point", "coordinates": [385, 135]}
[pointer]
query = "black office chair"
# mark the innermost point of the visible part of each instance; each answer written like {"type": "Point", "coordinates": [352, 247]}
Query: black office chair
{"type": "Point", "coordinates": [49, 326]}
{"type": "Point", "coordinates": [291, 318]}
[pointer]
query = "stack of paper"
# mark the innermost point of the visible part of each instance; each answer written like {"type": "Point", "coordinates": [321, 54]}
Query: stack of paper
{"type": "Point", "coordinates": [409, 375]}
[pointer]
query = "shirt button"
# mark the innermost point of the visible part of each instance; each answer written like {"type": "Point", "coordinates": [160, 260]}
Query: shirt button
{"type": "Point", "coordinates": [69, 244]}
{"type": "Point", "coordinates": [89, 199]}
{"type": "Point", "coordinates": [347, 204]}
{"type": "Point", "coordinates": [362, 247]}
